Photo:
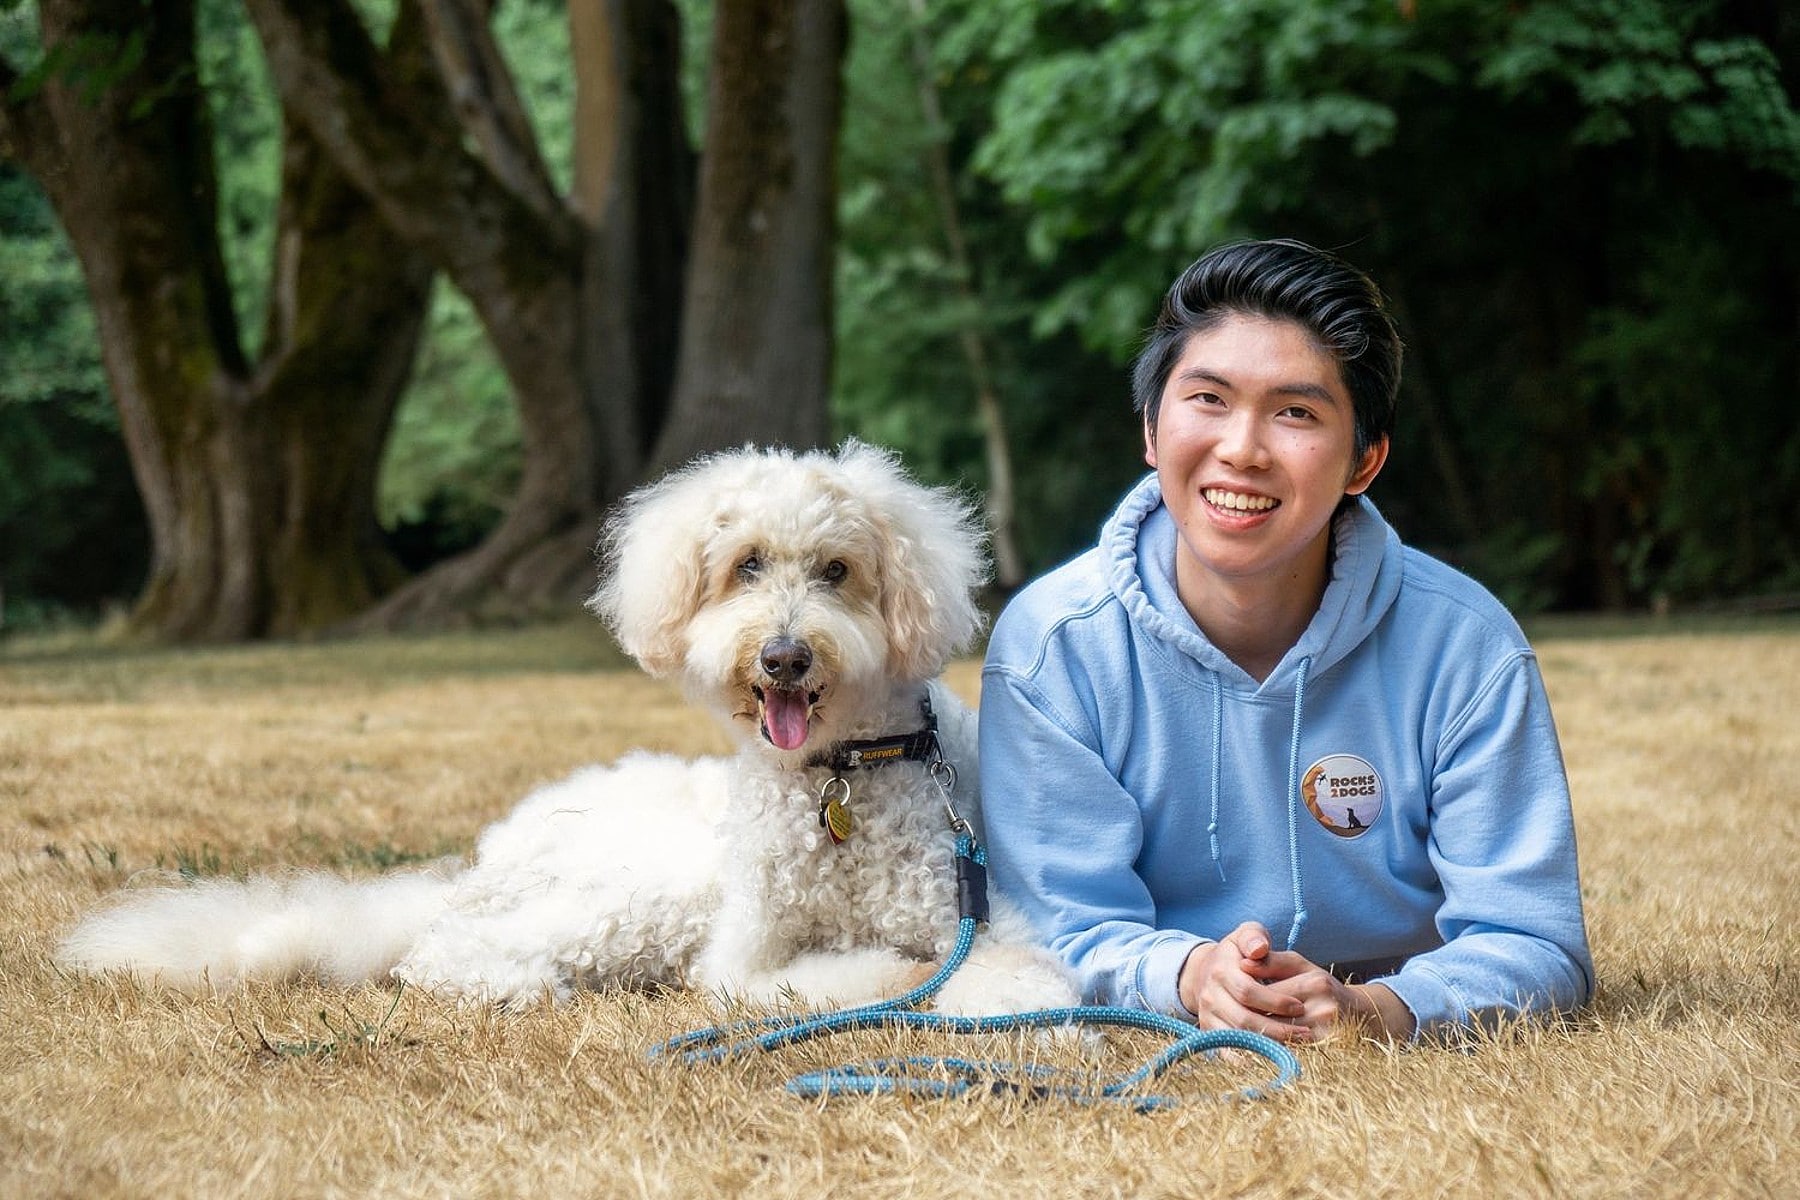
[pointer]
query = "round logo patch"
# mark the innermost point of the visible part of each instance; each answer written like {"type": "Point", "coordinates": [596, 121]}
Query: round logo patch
{"type": "Point", "coordinates": [1344, 793]}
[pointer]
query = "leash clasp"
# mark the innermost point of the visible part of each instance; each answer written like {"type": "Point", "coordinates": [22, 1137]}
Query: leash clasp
{"type": "Point", "coordinates": [943, 773]}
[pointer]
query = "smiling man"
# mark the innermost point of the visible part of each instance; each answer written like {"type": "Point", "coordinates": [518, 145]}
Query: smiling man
{"type": "Point", "coordinates": [1250, 708]}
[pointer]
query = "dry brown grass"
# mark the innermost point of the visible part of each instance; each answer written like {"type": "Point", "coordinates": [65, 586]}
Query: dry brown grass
{"type": "Point", "coordinates": [1684, 750]}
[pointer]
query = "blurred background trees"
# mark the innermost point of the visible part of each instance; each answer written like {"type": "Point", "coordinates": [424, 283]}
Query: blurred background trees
{"type": "Point", "coordinates": [1587, 213]}
{"type": "Point", "coordinates": [650, 310]}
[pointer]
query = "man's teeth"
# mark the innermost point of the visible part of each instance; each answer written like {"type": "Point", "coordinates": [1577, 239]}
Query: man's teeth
{"type": "Point", "coordinates": [1238, 501]}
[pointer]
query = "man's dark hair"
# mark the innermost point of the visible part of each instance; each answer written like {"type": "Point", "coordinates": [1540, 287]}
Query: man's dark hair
{"type": "Point", "coordinates": [1288, 281]}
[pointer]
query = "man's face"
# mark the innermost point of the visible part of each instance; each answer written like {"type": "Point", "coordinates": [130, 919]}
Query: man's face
{"type": "Point", "coordinates": [1254, 445]}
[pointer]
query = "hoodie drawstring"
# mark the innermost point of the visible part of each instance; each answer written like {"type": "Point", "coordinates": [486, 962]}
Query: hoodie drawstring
{"type": "Point", "coordinates": [1218, 734]}
{"type": "Point", "coordinates": [1293, 799]}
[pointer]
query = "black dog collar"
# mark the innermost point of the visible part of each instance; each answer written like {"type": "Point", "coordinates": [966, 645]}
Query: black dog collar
{"type": "Point", "coordinates": [919, 746]}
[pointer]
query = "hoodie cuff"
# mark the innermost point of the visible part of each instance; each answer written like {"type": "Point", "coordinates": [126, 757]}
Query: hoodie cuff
{"type": "Point", "coordinates": [1159, 976]}
{"type": "Point", "coordinates": [1434, 1003]}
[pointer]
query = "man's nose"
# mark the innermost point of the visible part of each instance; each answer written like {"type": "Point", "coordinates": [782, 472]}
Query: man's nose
{"type": "Point", "coordinates": [1243, 442]}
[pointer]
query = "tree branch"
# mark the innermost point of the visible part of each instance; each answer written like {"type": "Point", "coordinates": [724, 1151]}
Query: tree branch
{"type": "Point", "coordinates": [482, 92]}
{"type": "Point", "coordinates": [386, 124]}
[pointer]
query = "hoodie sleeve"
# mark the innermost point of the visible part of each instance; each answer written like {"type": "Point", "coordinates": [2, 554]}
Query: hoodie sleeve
{"type": "Point", "coordinates": [1503, 843]}
{"type": "Point", "coordinates": [1062, 838]}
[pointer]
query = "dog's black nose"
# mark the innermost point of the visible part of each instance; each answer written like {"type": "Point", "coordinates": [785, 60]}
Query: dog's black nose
{"type": "Point", "coordinates": [786, 660]}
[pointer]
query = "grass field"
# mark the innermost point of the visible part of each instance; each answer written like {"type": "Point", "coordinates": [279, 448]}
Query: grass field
{"type": "Point", "coordinates": [1683, 1079]}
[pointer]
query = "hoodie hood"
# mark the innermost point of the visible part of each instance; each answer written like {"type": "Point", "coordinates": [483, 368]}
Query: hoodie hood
{"type": "Point", "coordinates": [1138, 546]}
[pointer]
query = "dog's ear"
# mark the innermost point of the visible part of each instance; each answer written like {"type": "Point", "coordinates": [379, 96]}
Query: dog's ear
{"type": "Point", "coordinates": [652, 566]}
{"type": "Point", "coordinates": [933, 562]}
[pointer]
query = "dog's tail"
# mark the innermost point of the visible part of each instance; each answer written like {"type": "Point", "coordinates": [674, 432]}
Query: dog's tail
{"type": "Point", "coordinates": [218, 933]}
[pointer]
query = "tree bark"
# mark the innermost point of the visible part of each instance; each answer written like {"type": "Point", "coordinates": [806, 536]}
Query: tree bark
{"type": "Point", "coordinates": [755, 361]}
{"type": "Point", "coordinates": [634, 195]}
{"type": "Point", "coordinates": [259, 524]}
{"type": "Point", "coordinates": [344, 323]}
{"type": "Point", "coordinates": [482, 95]}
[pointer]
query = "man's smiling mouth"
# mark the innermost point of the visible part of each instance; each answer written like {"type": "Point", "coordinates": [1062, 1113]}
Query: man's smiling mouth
{"type": "Point", "coordinates": [1238, 501]}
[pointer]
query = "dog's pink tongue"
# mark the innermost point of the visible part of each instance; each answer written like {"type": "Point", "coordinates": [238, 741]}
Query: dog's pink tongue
{"type": "Point", "coordinates": [784, 717]}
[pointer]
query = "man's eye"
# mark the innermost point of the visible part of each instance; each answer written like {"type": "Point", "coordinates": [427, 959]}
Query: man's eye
{"type": "Point", "coordinates": [835, 572]}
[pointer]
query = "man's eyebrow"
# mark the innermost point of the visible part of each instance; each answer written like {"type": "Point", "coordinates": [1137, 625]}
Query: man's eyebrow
{"type": "Point", "coordinates": [1310, 391]}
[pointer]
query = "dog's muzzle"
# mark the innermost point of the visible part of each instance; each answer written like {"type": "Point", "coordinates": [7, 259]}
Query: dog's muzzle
{"type": "Point", "coordinates": [786, 705]}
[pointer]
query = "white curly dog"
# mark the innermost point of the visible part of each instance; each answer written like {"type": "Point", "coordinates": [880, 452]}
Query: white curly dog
{"type": "Point", "coordinates": [810, 601]}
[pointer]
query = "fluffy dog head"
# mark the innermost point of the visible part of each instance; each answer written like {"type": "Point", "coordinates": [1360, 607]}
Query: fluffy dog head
{"type": "Point", "coordinates": [794, 593]}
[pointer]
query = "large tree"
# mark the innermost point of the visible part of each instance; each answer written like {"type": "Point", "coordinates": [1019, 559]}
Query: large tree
{"type": "Point", "coordinates": [588, 301]}
{"type": "Point", "coordinates": [257, 475]}
{"type": "Point", "coordinates": [668, 304]}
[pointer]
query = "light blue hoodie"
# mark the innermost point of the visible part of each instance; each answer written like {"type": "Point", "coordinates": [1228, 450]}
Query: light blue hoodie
{"type": "Point", "coordinates": [1392, 792]}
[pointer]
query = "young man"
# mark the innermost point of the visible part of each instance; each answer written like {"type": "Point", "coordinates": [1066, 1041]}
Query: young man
{"type": "Point", "coordinates": [1250, 760]}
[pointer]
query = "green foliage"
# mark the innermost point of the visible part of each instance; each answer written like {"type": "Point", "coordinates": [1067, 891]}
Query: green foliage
{"type": "Point", "coordinates": [1648, 70]}
{"type": "Point", "coordinates": [1146, 132]}
{"type": "Point", "coordinates": [1584, 211]}
{"type": "Point", "coordinates": [454, 457]}
{"type": "Point", "coordinates": [47, 327]}
{"type": "Point", "coordinates": [1699, 524]}
{"type": "Point", "coordinates": [246, 121]}
{"type": "Point", "coordinates": [898, 379]}
{"type": "Point", "coordinates": [534, 37]}
{"type": "Point", "coordinates": [71, 529]}
{"type": "Point", "coordinates": [901, 376]}
{"type": "Point", "coordinates": [1587, 213]}
{"type": "Point", "coordinates": [1605, 240]}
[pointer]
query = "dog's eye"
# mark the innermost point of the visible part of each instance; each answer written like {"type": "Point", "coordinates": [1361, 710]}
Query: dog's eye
{"type": "Point", "coordinates": [835, 571]}
{"type": "Point", "coordinates": [749, 568]}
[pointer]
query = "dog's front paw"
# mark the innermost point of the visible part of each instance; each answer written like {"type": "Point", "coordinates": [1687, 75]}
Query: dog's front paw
{"type": "Point", "coordinates": [1006, 979]}
{"type": "Point", "coordinates": [833, 979]}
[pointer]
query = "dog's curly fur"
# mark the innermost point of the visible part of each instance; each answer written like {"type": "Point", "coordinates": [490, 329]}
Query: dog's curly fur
{"type": "Point", "coordinates": [807, 600]}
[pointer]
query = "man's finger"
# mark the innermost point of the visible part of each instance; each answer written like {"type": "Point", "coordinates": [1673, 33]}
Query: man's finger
{"type": "Point", "coordinates": [1257, 998]}
{"type": "Point", "coordinates": [1250, 939]}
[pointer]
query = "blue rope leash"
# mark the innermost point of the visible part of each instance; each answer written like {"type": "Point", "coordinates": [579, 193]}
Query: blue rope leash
{"type": "Point", "coordinates": [951, 1076]}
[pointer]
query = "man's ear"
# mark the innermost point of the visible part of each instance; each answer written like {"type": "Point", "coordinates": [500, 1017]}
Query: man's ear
{"type": "Point", "coordinates": [1373, 459]}
{"type": "Point", "coordinates": [1150, 443]}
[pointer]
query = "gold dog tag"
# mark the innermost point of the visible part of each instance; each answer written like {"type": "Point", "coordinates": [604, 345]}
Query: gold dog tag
{"type": "Point", "coordinates": [835, 816]}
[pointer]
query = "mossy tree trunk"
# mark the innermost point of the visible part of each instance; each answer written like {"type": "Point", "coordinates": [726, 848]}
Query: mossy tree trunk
{"type": "Point", "coordinates": [257, 476]}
